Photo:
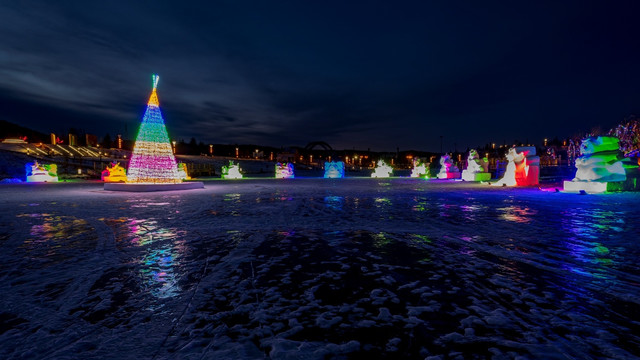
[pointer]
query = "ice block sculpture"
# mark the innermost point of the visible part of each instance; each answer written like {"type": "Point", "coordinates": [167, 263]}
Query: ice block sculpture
{"type": "Point", "coordinates": [600, 166]}
{"type": "Point", "coordinates": [182, 172]}
{"type": "Point", "coordinates": [334, 169]}
{"type": "Point", "coordinates": [447, 169]}
{"type": "Point", "coordinates": [523, 168]}
{"type": "Point", "coordinates": [232, 171]}
{"type": "Point", "coordinates": [477, 168]}
{"type": "Point", "coordinates": [41, 173]}
{"type": "Point", "coordinates": [114, 173]}
{"type": "Point", "coordinates": [419, 169]}
{"type": "Point", "coordinates": [382, 170]}
{"type": "Point", "coordinates": [284, 171]}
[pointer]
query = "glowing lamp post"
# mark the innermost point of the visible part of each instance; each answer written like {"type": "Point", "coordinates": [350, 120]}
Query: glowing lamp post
{"type": "Point", "coordinates": [174, 146]}
{"type": "Point", "coordinates": [210, 149]}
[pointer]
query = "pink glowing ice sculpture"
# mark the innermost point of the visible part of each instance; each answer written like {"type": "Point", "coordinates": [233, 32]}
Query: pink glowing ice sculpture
{"type": "Point", "coordinates": [448, 170]}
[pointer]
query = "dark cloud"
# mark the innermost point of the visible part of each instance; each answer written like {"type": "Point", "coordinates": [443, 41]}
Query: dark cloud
{"type": "Point", "coordinates": [371, 75]}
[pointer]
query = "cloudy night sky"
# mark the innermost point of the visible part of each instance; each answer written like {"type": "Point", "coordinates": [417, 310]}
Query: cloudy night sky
{"type": "Point", "coordinates": [376, 75]}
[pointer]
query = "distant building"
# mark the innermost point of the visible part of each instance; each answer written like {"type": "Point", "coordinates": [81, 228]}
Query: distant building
{"type": "Point", "coordinates": [91, 140]}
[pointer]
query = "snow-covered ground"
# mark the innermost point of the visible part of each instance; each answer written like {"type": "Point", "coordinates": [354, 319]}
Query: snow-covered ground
{"type": "Point", "coordinates": [318, 268]}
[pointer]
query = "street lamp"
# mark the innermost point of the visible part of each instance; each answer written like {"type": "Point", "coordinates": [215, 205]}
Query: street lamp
{"type": "Point", "coordinates": [174, 146]}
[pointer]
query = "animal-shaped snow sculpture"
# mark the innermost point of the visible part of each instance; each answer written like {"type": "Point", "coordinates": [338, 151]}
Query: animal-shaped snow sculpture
{"type": "Point", "coordinates": [382, 170]}
{"type": "Point", "coordinates": [477, 168]}
{"type": "Point", "coordinates": [114, 173]}
{"type": "Point", "coordinates": [41, 173]}
{"type": "Point", "coordinates": [182, 172]}
{"type": "Point", "coordinates": [447, 168]}
{"type": "Point", "coordinates": [284, 171]}
{"type": "Point", "coordinates": [419, 169]}
{"type": "Point", "coordinates": [523, 167]}
{"type": "Point", "coordinates": [600, 160]}
{"type": "Point", "coordinates": [334, 170]}
{"type": "Point", "coordinates": [232, 171]}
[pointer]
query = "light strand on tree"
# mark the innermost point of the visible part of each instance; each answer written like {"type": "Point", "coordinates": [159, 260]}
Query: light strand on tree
{"type": "Point", "coordinates": [152, 160]}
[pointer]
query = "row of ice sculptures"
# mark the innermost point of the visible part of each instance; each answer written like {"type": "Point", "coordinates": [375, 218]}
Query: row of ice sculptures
{"type": "Point", "coordinates": [600, 165]}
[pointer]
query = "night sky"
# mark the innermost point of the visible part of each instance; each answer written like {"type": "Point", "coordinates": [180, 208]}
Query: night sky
{"type": "Point", "coordinates": [376, 75]}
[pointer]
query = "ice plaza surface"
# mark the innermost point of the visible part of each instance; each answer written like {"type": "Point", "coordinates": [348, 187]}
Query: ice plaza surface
{"type": "Point", "coordinates": [318, 268]}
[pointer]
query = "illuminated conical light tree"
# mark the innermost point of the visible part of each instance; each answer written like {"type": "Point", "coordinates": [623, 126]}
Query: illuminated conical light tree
{"type": "Point", "coordinates": [152, 160]}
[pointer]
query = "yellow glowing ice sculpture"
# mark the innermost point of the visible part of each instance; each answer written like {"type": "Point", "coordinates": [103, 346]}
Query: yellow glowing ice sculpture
{"type": "Point", "coordinates": [382, 170]}
{"type": "Point", "coordinates": [114, 173]}
{"type": "Point", "coordinates": [232, 171]}
{"type": "Point", "coordinates": [152, 161]}
{"type": "Point", "coordinates": [41, 173]}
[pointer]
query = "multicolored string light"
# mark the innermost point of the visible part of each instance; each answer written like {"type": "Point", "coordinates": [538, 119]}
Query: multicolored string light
{"type": "Point", "coordinates": [152, 160]}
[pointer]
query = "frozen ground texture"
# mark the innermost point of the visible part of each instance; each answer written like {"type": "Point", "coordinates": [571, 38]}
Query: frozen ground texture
{"type": "Point", "coordinates": [318, 268]}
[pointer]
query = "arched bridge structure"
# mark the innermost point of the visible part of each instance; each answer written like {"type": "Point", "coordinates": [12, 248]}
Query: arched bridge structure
{"type": "Point", "coordinates": [312, 145]}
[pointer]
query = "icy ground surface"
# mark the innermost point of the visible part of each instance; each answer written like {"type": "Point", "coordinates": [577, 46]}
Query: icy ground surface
{"type": "Point", "coordinates": [318, 268]}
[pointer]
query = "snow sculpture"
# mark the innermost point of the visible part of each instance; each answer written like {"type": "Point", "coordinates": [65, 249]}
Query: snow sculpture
{"type": "Point", "coordinates": [284, 171]}
{"type": "Point", "coordinates": [41, 173]}
{"type": "Point", "coordinates": [477, 169]}
{"type": "Point", "coordinates": [601, 162]}
{"type": "Point", "coordinates": [523, 168]}
{"type": "Point", "coordinates": [182, 172]}
{"type": "Point", "coordinates": [419, 169]}
{"type": "Point", "coordinates": [447, 169]}
{"type": "Point", "coordinates": [114, 173]}
{"type": "Point", "coordinates": [232, 171]}
{"type": "Point", "coordinates": [334, 169]}
{"type": "Point", "coordinates": [382, 170]}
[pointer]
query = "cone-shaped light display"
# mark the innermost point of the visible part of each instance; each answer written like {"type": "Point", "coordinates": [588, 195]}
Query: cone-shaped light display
{"type": "Point", "coordinates": [152, 161]}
